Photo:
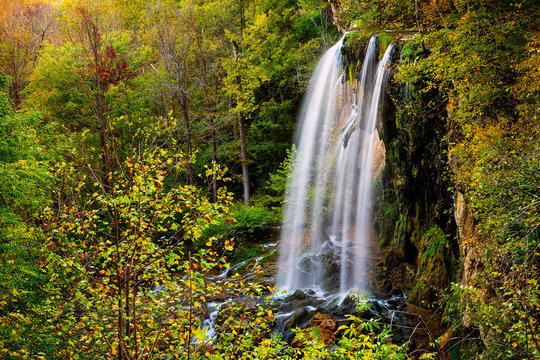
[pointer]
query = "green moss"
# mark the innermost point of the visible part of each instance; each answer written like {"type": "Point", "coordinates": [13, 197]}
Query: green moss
{"type": "Point", "coordinates": [357, 39]}
{"type": "Point", "coordinates": [273, 256]}
{"type": "Point", "coordinates": [389, 220]}
{"type": "Point", "coordinates": [353, 51]}
{"type": "Point", "coordinates": [434, 242]}
{"type": "Point", "coordinates": [399, 232]}
{"type": "Point", "coordinates": [433, 272]}
{"type": "Point", "coordinates": [414, 171]}
{"type": "Point", "coordinates": [352, 68]}
{"type": "Point", "coordinates": [384, 40]}
{"type": "Point", "coordinates": [245, 252]}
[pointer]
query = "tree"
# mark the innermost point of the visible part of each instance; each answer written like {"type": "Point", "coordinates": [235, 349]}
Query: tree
{"type": "Point", "coordinates": [128, 271]}
{"type": "Point", "coordinates": [23, 30]}
{"type": "Point", "coordinates": [244, 77]}
{"type": "Point", "coordinates": [175, 42]}
{"type": "Point", "coordinates": [207, 27]}
{"type": "Point", "coordinates": [242, 131]}
{"type": "Point", "coordinates": [25, 188]}
{"type": "Point", "coordinates": [78, 83]}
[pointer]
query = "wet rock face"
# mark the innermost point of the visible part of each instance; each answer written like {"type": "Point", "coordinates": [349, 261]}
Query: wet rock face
{"type": "Point", "coordinates": [414, 194]}
{"type": "Point", "coordinates": [331, 268]}
{"type": "Point", "coordinates": [299, 319]}
{"type": "Point", "coordinates": [328, 258]}
{"type": "Point", "coordinates": [339, 307]}
{"type": "Point", "coordinates": [289, 320]}
{"type": "Point", "coordinates": [297, 310]}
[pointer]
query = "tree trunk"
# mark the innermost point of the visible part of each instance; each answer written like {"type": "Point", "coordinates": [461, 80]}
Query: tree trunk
{"type": "Point", "coordinates": [120, 316]}
{"type": "Point", "coordinates": [243, 149]}
{"type": "Point", "coordinates": [187, 128]}
{"type": "Point", "coordinates": [243, 141]}
{"type": "Point", "coordinates": [14, 92]}
{"type": "Point", "coordinates": [103, 131]}
{"type": "Point", "coordinates": [214, 155]}
{"type": "Point", "coordinates": [211, 118]}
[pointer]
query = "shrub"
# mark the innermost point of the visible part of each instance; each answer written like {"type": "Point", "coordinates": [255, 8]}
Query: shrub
{"type": "Point", "coordinates": [248, 224]}
{"type": "Point", "coordinates": [252, 224]}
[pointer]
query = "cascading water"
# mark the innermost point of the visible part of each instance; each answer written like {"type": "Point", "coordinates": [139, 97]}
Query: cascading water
{"type": "Point", "coordinates": [327, 220]}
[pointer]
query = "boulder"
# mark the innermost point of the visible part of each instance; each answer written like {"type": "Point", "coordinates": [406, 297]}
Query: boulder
{"type": "Point", "coordinates": [325, 326]}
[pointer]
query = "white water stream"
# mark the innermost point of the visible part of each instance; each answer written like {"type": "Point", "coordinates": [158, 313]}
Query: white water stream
{"type": "Point", "coordinates": [329, 195]}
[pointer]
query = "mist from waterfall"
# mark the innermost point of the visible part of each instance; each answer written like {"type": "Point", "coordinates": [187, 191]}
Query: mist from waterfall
{"type": "Point", "coordinates": [327, 216]}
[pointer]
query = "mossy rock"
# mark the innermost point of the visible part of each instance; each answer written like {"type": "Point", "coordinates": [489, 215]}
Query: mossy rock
{"type": "Point", "coordinates": [385, 39]}
{"type": "Point", "coordinates": [385, 208]}
{"type": "Point", "coordinates": [355, 45]}
{"type": "Point", "coordinates": [435, 259]}
{"type": "Point", "coordinates": [246, 252]}
{"type": "Point", "coordinates": [270, 258]}
{"type": "Point", "coordinates": [389, 216]}
{"type": "Point", "coordinates": [299, 319]}
{"type": "Point", "coordinates": [401, 243]}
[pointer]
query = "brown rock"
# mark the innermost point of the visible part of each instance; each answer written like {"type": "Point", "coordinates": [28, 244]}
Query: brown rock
{"type": "Point", "coordinates": [327, 326]}
{"type": "Point", "coordinates": [324, 324]}
{"type": "Point", "coordinates": [473, 261]}
{"type": "Point", "coordinates": [337, 16]}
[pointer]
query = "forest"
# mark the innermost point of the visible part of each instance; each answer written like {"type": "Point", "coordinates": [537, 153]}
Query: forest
{"type": "Point", "coordinates": [146, 147]}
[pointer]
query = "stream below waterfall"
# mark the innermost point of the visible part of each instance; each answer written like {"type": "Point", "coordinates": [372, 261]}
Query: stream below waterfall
{"type": "Point", "coordinates": [298, 308]}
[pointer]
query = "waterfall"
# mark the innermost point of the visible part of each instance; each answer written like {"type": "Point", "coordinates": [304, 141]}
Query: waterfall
{"type": "Point", "coordinates": [327, 217]}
